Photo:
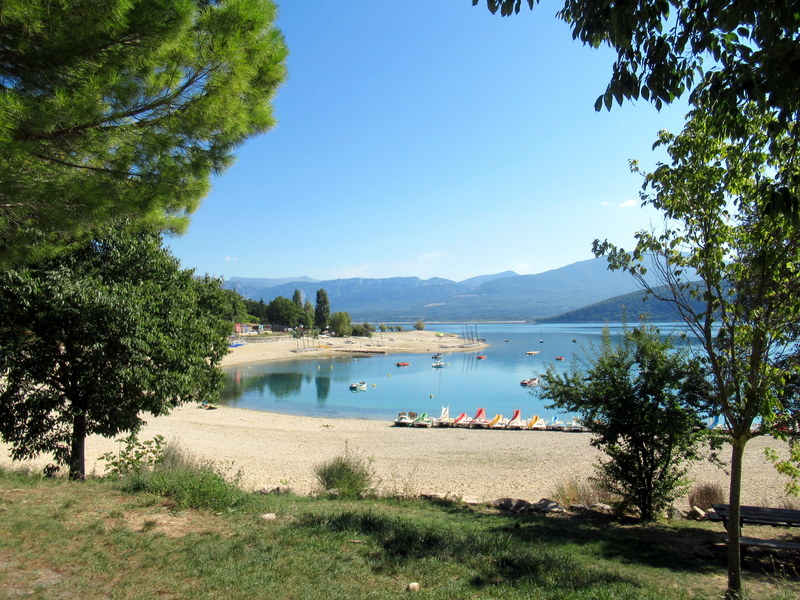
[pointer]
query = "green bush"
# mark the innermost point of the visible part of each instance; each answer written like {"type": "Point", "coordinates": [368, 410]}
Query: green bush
{"type": "Point", "coordinates": [189, 482]}
{"type": "Point", "coordinates": [134, 455]}
{"type": "Point", "coordinates": [361, 330]}
{"type": "Point", "coordinates": [349, 475]}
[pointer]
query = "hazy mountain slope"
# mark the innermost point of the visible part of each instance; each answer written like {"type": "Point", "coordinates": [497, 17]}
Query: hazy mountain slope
{"type": "Point", "coordinates": [504, 296]}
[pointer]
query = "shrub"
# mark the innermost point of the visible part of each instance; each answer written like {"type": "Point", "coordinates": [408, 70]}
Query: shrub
{"type": "Point", "coordinates": [585, 493]}
{"type": "Point", "coordinates": [707, 495]}
{"type": "Point", "coordinates": [361, 330]}
{"type": "Point", "coordinates": [134, 455]}
{"type": "Point", "coordinates": [188, 481]}
{"type": "Point", "coordinates": [419, 325]}
{"type": "Point", "coordinates": [642, 397]}
{"type": "Point", "coordinates": [351, 475]}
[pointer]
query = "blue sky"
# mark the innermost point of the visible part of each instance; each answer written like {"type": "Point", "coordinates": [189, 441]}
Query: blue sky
{"type": "Point", "coordinates": [431, 139]}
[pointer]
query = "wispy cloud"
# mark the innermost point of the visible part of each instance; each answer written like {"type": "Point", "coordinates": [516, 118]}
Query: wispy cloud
{"type": "Point", "coordinates": [604, 203]}
{"type": "Point", "coordinates": [627, 204]}
{"type": "Point", "coordinates": [231, 259]}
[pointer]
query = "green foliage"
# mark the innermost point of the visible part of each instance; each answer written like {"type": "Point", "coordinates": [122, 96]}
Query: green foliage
{"type": "Point", "coordinates": [789, 466]}
{"type": "Point", "coordinates": [284, 312]}
{"type": "Point", "coordinates": [322, 310]}
{"type": "Point", "coordinates": [350, 474]}
{"type": "Point", "coordinates": [731, 53]}
{"type": "Point", "coordinates": [419, 325]}
{"type": "Point", "coordinates": [640, 399]}
{"type": "Point", "coordinates": [236, 309]}
{"type": "Point", "coordinates": [115, 109]}
{"type": "Point", "coordinates": [383, 328]}
{"type": "Point", "coordinates": [362, 330]}
{"type": "Point", "coordinates": [731, 244]}
{"type": "Point", "coordinates": [91, 340]}
{"type": "Point", "coordinates": [340, 324]}
{"type": "Point", "coordinates": [134, 456]}
{"type": "Point", "coordinates": [187, 481]}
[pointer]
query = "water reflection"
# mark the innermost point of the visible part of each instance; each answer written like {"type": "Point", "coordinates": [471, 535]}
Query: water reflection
{"type": "Point", "coordinates": [323, 385]}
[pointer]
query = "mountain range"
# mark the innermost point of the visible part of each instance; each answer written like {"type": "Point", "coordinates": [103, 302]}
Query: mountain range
{"type": "Point", "coordinates": [506, 296]}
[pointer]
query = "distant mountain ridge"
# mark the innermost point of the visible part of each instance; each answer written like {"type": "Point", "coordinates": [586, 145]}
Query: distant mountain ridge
{"type": "Point", "coordinates": [505, 296]}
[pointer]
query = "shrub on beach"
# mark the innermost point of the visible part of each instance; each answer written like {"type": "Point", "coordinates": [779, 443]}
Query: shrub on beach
{"type": "Point", "coordinates": [349, 474]}
{"type": "Point", "coordinates": [584, 493]}
{"type": "Point", "coordinates": [188, 481]}
{"type": "Point", "coordinates": [707, 495]}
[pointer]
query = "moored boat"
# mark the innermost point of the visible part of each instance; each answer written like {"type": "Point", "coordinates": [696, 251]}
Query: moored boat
{"type": "Point", "coordinates": [402, 364]}
{"type": "Point", "coordinates": [359, 386]}
{"type": "Point", "coordinates": [533, 381]}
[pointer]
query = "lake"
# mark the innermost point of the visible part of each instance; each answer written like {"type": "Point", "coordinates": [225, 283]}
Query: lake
{"type": "Point", "coordinates": [320, 386]}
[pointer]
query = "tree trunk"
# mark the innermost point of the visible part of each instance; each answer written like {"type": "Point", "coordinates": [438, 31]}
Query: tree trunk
{"type": "Point", "coordinates": [77, 455]}
{"type": "Point", "coordinates": [734, 591]}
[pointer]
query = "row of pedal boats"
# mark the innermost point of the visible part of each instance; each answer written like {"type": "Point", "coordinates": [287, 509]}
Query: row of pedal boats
{"type": "Point", "coordinates": [480, 421]}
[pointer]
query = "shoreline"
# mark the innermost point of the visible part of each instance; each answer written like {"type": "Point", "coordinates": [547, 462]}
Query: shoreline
{"type": "Point", "coordinates": [266, 349]}
{"type": "Point", "coordinates": [270, 449]}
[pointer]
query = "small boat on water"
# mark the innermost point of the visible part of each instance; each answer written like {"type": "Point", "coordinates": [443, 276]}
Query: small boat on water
{"type": "Point", "coordinates": [438, 364]}
{"type": "Point", "coordinates": [532, 352]}
{"type": "Point", "coordinates": [360, 386]}
{"type": "Point", "coordinates": [437, 356]}
{"type": "Point", "coordinates": [533, 381]}
{"type": "Point", "coordinates": [559, 358]}
{"type": "Point", "coordinates": [481, 356]}
{"type": "Point", "coordinates": [402, 364]}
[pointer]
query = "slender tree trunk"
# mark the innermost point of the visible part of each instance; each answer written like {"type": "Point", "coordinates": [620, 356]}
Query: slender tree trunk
{"type": "Point", "coordinates": [77, 455]}
{"type": "Point", "coordinates": [734, 591]}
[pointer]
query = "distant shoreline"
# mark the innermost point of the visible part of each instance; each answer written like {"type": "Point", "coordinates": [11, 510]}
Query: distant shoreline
{"type": "Point", "coordinates": [396, 342]}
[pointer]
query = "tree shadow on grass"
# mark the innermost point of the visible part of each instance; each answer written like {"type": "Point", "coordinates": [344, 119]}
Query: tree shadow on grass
{"type": "Point", "coordinates": [654, 545]}
{"type": "Point", "coordinates": [492, 555]}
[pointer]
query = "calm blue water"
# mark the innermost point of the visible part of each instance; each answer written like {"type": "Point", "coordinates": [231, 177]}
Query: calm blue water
{"type": "Point", "coordinates": [320, 386]}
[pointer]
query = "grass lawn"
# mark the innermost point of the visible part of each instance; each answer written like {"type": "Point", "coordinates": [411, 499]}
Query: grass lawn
{"type": "Point", "coordinates": [93, 540]}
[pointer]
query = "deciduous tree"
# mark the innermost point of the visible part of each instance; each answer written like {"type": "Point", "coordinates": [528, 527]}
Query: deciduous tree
{"type": "Point", "coordinates": [341, 324]}
{"type": "Point", "coordinates": [112, 109]}
{"type": "Point", "coordinates": [94, 338]}
{"type": "Point", "coordinates": [726, 245]}
{"type": "Point", "coordinates": [642, 399]}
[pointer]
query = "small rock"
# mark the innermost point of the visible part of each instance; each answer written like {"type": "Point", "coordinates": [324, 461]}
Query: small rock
{"type": "Point", "coordinates": [602, 508]}
{"type": "Point", "coordinates": [577, 508]}
{"type": "Point", "coordinates": [277, 489]}
{"type": "Point", "coordinates": [673, 512]}
{"type": "Point", "coordinates": [412, 587]}
{"type": "Point", "coordinates": [546, 505]}
{"type": "Point", "coordinates": [269, 516]}
{"type": "Point", "coordinates": [696, 514]}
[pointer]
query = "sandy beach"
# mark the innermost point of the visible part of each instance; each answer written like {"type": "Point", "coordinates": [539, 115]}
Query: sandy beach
{"type": "Point", "coordinates": [270, 449]}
